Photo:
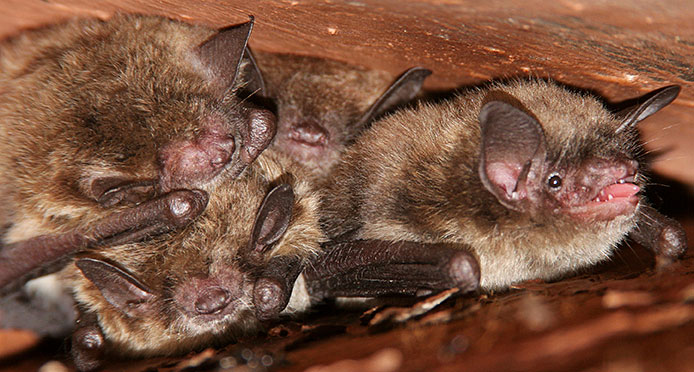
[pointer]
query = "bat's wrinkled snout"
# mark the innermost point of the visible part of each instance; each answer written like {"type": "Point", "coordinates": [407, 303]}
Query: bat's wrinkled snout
{"type": "Point", "coordinates": [212, 300]}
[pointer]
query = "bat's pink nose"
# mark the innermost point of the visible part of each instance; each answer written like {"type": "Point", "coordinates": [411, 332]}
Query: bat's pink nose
{"type": "Point", "coordinates": [212, 300]}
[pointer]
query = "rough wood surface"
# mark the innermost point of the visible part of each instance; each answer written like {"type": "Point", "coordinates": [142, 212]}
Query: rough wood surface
{"type": "Point", "coordinates": [620, 49]}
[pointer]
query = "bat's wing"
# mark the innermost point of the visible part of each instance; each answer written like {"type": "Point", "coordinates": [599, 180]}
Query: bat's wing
{"type": "Point", "coordinates": [368, 268]}
{"type": "Point", "coordinates": [27, 259]}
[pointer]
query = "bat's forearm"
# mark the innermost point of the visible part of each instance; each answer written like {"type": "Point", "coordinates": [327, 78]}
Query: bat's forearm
{"type": "Point", "coordinates": [23, 260]}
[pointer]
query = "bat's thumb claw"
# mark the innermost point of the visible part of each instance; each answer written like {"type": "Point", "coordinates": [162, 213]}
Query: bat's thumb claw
{"type": "Point", "coordinates": [270, 298]}
{"type": "Point", "coordinates": [464, 271]}
{"type": "Point", "coordinates": [186, 205]}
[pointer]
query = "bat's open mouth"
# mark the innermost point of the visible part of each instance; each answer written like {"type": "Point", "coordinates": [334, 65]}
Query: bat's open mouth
{"type": "Point", "coordinates": [624, 188]}
{"type": "Point", "coordinates": [616, 199]}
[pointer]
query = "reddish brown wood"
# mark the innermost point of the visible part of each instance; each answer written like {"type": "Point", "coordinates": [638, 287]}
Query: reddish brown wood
{"type": "Point", "coordinates": [15, 341]}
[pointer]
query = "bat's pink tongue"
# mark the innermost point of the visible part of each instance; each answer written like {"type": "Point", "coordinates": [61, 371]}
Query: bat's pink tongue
{"type": "Point", "coordinates": [617, 190]}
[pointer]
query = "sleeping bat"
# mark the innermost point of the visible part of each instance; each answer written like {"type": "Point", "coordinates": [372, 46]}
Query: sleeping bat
{"type": "Point", "coordinates": [114, 131]}
{"type": "Point", "coordinates": [207, 283]}
{"type": "Point", "coordinates": [151, 145]}
{"type": "Point", "coordinates": [323, 104]}
{"type": "Point", "coordinates": [172, 238]}
{"type": "Point", "coordinates": [520, 180]}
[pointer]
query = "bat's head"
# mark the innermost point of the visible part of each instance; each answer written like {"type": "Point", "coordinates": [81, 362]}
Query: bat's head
{"type": "Point", "coordinates": [231, 133]}
{"type": "Point", "coordinates": [567, 175]}
{"type": "Point", "coordinates": [137, 99]}
{"type": "Point", "coordinates": [323, 104]}
{"type": "Point", "coordinates": [556, 154]}
{"type": "Point", "coordinates": [196, 287]}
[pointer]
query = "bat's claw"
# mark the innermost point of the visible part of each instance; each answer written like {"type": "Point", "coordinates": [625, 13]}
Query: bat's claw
{"type": "Point", "coordinates": [185, 205]}
{"type": "Point", "coordinates": [464, 271]}
{"type": "Point", "coordinates": [270, 297]}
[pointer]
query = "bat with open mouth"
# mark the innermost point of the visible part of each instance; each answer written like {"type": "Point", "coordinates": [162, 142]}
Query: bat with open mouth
{"type": "Point", "coordinates": [514, 181]}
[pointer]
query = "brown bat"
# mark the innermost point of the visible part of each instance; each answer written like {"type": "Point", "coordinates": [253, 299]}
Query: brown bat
{"type": "Point", "coordinates": [113, 131]}
{"type": "Point", "coordinates": [322, 104]}
{"type": "Point", "coordinates": [207, 283]}
{"type": "Point", "coordinates": [532, 179]}
{"type": "Point", "coordinates": [123, 286]}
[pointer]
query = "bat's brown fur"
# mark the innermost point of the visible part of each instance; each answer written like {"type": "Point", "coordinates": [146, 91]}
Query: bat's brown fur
{"type": "Point", "coordinates": [87, 100]}
{"type": "Point", "coordinates": [208, 249]}
{"type": "Point", "coordinates": [414, 176]}
{"type": "Point", "coordinates": [90, 99]}
{"type": "Point", "coordinates": [334, 95]}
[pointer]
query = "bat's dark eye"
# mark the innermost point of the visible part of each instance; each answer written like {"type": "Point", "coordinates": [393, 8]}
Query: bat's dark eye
{"type": "Point", "coordinates": [554, 182]}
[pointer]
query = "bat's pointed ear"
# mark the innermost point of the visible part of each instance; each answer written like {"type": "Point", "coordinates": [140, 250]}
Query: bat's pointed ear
{"type": "Point", "coordinates": [648, 105]}
{"type": "Point", "coordinates": [404, 89]}
{"type": "Point", "coordinates": [110, 190]}
{"type": "Point", "coordinates": [272, 219]}
{"type": "Point", "coordinates": [222, 54]}
{"type": "Point", "coordinates": [118, 287]}
{"type": "Point", "coordinates": [253, 78]}
{"type": "Point", "coordinates": [512, 152]}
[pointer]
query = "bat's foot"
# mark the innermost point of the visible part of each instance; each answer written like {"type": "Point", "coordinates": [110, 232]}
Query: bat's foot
{"type": "Point", "coordinates": [664, 236]}
{"type": "Point", "coordinates": [182, 206]}
{"type": "Point", "coordinates": [672, 241]}
{"type": "Point", "coordinates": [373, 268]}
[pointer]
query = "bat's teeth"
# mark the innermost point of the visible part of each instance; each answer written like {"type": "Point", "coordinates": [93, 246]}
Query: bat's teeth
{"type": "Point", "coordinates": [601, 196]}
{"type": "Point", "coordinates": [604, 196]}
{"type": "Point", "coordinates": [617, 190]}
